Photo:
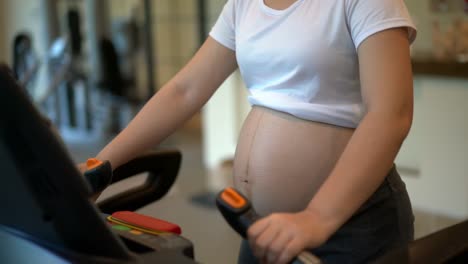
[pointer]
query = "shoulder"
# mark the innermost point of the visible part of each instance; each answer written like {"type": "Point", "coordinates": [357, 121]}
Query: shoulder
{"type": "Point", "coordinates": [367, 17]}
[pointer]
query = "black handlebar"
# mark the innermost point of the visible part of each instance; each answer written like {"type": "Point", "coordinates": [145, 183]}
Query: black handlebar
{"type": "Point", "coordinates": [240, 215]}
{"type": "Point", "coordinates": [162, 167]}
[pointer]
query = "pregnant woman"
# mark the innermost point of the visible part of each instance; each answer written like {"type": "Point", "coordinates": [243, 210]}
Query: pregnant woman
{"type": "Point", "coordinates": [331, 88]}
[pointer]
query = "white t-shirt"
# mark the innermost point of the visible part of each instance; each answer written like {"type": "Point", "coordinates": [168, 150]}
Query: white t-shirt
{"type": "Point", "coordinates": [303, 60]}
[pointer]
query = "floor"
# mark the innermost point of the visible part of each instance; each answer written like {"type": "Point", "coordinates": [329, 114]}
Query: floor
{"type": "Point", "coordinates": [185, 205]}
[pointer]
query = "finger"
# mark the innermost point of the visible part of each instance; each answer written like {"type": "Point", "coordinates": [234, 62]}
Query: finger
{"type": "Point", "coordinates": [278, 245]}
{"type": "Point", "coordinates": [263, 242]}
{"type": "Point", "coordinates": [258, 227]}
{"type": "Point", "coordinates": [292, 249]}
{"type": "Point", "coordinates": [255, 231]}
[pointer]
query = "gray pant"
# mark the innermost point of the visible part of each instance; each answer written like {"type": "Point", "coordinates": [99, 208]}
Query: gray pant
{"type": "Point", "coordinates": [383, 222]}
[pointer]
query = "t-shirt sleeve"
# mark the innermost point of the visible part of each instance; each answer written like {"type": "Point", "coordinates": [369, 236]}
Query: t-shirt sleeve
{"type": "Point", "coordinates": [367, 17]}
{"type": "Point", "coordinates": [224, 29]}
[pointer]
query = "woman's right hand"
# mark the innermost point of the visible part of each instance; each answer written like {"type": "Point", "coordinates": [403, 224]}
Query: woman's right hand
{"type": "Point", "coordinates": [82, 167]}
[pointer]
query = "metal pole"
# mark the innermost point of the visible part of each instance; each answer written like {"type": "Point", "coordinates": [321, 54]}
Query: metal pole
{"type": "Point", "coordinates": [51, 21]}
{"type": "Point", "coordinates": [51, 29]}
{"type": "Point", "coordinates": [97, 23]}
{"type": "Point", "coordinates": [149, 48]}
{"type": "Point", "coordinates": [97, 27]}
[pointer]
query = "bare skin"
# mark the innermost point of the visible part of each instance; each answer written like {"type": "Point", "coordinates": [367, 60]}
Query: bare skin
{"type": "Point", "coordinates": [279, 4]}
{"type": "Point", "coordinates": [281, 161]}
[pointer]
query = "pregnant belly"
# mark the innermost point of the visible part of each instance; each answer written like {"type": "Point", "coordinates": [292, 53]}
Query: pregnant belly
{"type": "Point", "coordinates": [281, 161]}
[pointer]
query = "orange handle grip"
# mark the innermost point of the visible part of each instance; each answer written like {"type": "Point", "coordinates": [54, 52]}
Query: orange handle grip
{"type": "Point", "coordinates": [233, 198]}
{"type": "Point", "coordinates": [93, 163]}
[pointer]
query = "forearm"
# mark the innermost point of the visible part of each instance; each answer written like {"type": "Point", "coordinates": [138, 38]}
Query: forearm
{"type": "Point", "coordinates": [362, 167]}
{"type": "Point", "coordinates": [174, 104]}
{"type": "Point", "coordinates": [161, 116]}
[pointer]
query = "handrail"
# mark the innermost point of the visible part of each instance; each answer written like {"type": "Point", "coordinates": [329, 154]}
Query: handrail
{"type": "Point", "coordinates": [162, 166]}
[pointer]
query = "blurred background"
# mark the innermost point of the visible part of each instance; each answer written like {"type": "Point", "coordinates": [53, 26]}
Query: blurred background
{"type": "Point", "coordinates": [90, 65]}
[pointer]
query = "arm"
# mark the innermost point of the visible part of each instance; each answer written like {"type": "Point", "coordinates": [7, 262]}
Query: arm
{"type": "Point", "coordinates": [387, 92]}
{"type": "Point", "coordinates": [174, 104]}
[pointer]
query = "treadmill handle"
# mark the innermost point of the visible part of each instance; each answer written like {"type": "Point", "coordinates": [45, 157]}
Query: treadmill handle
{"type": "Point", "coordinates": [240, 215]}
{"type": "Point", "coordinates": [161, 167]}
{"type": "Point", "coordinates": [98, 174]}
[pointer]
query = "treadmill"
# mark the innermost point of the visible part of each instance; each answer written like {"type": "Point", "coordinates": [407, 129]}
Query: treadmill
{"type": "Point", "coordinates": [46, 215]}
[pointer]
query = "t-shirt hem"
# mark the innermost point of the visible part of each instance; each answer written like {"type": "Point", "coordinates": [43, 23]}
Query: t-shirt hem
{"type": "Point", "coordinates": [319, 115]}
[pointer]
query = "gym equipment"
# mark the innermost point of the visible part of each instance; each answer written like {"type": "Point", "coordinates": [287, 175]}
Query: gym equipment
{"type": "Point", "coordinates": [98, 174]}
{"type": "Point", "coordinates": [240, 215]}
{"type": "Point", "coordinates": [64, 69]}
{"type": "Point", "coordinates": [47, 216]}
{"type": "Point", "coordinates": [25, 61]}
{"type": "Point", "coordinates": [448, 246]}
{"type": "Point", "coordinates": [144, 223]}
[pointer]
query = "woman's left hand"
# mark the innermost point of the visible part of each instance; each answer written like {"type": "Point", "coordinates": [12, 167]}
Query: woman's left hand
{"type": "Point", "coordinates": [279, 237]}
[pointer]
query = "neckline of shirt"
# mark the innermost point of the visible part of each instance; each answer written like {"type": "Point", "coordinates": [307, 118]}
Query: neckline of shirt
{"type": "Point", "coordinates": [278, 12]}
